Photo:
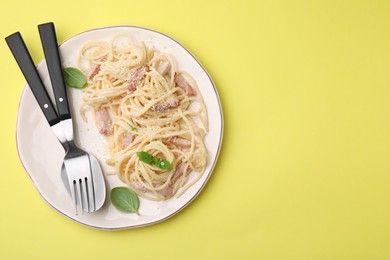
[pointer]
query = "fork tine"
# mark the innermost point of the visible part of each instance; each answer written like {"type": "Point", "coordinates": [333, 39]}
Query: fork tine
{"type": "Point", "coordinates": [86, 196]}
{"type": "Point", "coordinates": [79, 201]}
{"type": "Point", "coordinates": [88, 192]}
{"type": "Point", "coordinates": [91, 194]}
{"type": "Point", "coordinates": [83, 201]}
{"type": "Point", "coordinates": [73, 194]}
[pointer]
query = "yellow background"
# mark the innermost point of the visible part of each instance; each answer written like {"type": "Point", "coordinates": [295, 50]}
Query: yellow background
{"type": "Point", "coordinates": [304, 168]}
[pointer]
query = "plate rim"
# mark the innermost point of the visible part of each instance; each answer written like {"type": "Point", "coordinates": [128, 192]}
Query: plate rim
{"type": "Point", "coordinates": [212, 167]}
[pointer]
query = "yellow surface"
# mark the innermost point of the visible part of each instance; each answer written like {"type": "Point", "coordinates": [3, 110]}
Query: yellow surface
{"type": "Point", "coordinates": [304, 172]}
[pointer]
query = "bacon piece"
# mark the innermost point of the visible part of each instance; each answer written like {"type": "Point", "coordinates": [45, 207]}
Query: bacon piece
{"type": "Point", "coordinates": [179, 169]}
{"type": "Point", "coordinates": [163, 67]}
{"type": "Point", "coordinates": [127, 139]}
{"type": "Point", "coordinates": [166, 104]}
{"type": "Point", "coordinates": [104, 121]}
{"type": "Point", "coordinates": [93, 71]}
{"type": "Point", "coordinates": [182, 82]}
{"type": "Point", "coordinates": [179, 141]}
{"type": "Point", "coordinates": [95, 68]}
{"type": "Point", "coordinates": [136, 77]}
{"type": "Point", "coordinates": [167, 192]}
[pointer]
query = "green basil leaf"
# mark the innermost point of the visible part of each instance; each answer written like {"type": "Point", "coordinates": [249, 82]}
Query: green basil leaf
{"type": "Point", "coordinates": [125, 199]}
{"type": "Point", "coordinates": [162, 164]}
{"type": "Point", "coordinates": [145, 157]}
{"type": "Point", "coordinates": [74, 78]}
{"type": "Point", "coordinates": [158, 162]}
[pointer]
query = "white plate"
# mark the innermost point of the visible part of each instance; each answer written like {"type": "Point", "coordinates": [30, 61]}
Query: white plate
{"type": "Point", "coordinates": [42, 155]}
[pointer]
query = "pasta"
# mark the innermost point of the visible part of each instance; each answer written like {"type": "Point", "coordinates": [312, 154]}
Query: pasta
{"type": "Point", "coordinates": [142, 103]}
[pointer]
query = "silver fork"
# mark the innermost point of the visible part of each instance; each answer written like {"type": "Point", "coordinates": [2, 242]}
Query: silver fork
{"type": "Point", "coordinates": [78, 169]}
{"type": "Point", "coordinates": [80, 172]}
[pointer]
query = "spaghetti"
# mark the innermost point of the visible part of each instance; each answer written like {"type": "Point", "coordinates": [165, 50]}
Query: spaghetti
{"type": "Point", "coordinates": [141, 102]}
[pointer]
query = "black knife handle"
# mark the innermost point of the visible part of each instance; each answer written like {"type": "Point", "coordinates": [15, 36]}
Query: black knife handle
{"type": "Point", "coordinates": [23, 58]}
{"type": "Point", "coordinates": [53, 61]}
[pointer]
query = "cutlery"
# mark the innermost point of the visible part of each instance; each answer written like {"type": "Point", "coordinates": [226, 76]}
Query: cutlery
{"type": "Point", "coordinates": [80, 172]}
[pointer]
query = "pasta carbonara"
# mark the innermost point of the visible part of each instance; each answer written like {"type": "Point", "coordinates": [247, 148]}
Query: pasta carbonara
{"type": "Point", "coordinates": [144, 106]}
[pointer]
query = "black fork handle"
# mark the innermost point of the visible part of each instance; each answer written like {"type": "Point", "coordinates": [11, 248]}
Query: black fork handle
{"type": "Point", "coordinates": [53, 60]}
{"type": "Point", "coordinates": [23, 58]}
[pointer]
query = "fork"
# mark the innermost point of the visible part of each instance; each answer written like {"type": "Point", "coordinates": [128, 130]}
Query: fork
{"type": "Point", "coordinates": [80, 172]}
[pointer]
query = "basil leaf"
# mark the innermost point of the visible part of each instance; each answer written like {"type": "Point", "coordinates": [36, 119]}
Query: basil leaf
{"type": "Point", "coordinates": [145, 157]}
{"type": "Point", "coordinates": [162, 164]}
{"type": "Point", "coordinates": [158, 162]}
{"type": "Point", "coordinates": [125, 199]}
{"type": "Point", "coordinates": [74, 78]}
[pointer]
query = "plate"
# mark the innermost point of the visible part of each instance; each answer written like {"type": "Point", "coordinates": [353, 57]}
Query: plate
{"type": "Point", "coordinates": [42, 155]}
